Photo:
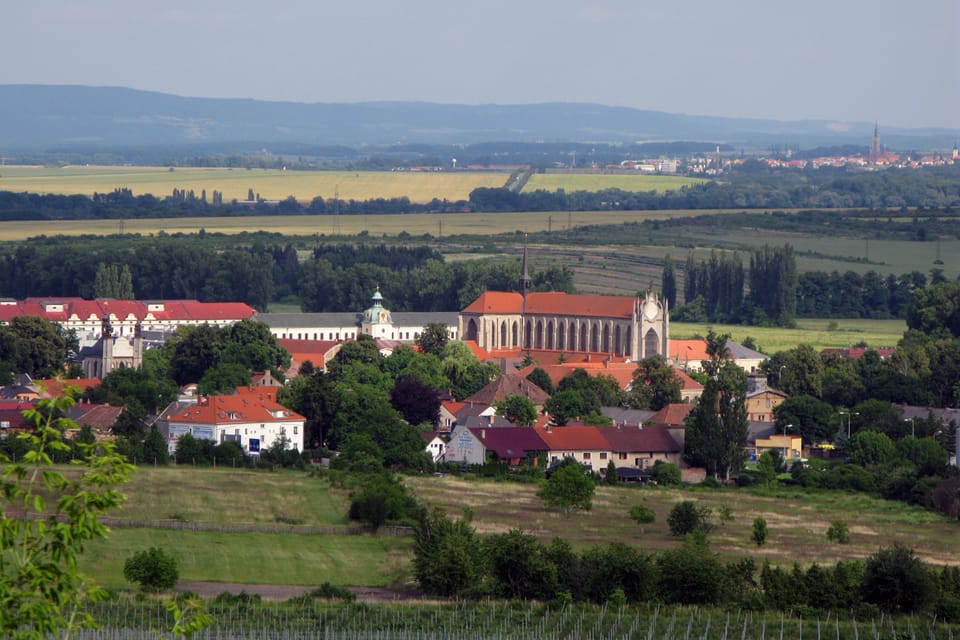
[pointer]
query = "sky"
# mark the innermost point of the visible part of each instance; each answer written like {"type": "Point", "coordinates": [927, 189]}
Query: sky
{"type": "Point", "coordinates": [891, 61]}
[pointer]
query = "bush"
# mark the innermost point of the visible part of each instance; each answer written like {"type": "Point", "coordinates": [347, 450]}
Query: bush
{"type": "Point", "coordinates": [153, 569]}
{"type": "Point", "coordinates": [383, 499]}
{"type": "Point", "coordinates": [838, 532]}
{"type": "Point", "coordinates": [665, 473]}
{"type": "Point", "coordinates": [897, 581]}
{"type": "Point", "coordinates": [759, 533]}
{"type": "Point", "coordinates": [686, 517]}
{"type": "Point", "coordinates": [642, 514]}
{"type": "Point", "coordinates": [568, 488]}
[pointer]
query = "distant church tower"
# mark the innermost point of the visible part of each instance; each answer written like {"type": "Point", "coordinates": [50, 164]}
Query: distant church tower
{"type": "Point", "coordinates": [525, 284]}
{"type": "Point", "coordinates": [875, 146]}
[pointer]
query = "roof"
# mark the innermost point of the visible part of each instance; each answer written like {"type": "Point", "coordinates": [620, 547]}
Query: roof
{"type": "Point", "coordinates": [627, 417]}
{"type": "Point", "coordinates": [508, 385]}
{"type": "Point", "coordinates": [99, 416]}
{"type": "Point", "coordinates": [85, 310]}
{"type": "Point", "coordinates": [694, 350]}
{"type": "Point", "coordinates": [510, 442]}
{"type": "Point", "coordinates": [553, 303]}
{"type": "Point", "coordinates": [573, 438]}
{"type": "Point", "coordinates": [646, 439]}
{"type": "Point", "coordinates": [672, 415]}
{"type": "Point", "coordinates": [620, 371]}
{"type": "Point", "coordinates": [54, 386]}
{"type": "Point", "coordinates": [255, 405]}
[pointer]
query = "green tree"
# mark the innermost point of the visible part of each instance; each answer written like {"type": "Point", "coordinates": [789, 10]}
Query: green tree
{"type": "Point", "coordinates": [690, 574]}
{"type": "Point", "coordinates": [564, 405]}
{"type": "Point", "coordinates": [935, 310]}
{"type": "Point", "coordinates": [686, 517]}
{"type": "Point", "coordinates": [447, 555]}
{"type": "Point", "coordinates": [797, 371]}
{"type": "Point", "coordinates": [666, 473]}
{"type": "Point", "coordinates": [759, 533]}
{"type": "Point", "coordinates": [155, 448]}
{"type": "Point", "coordinates": [568, 488]}
{"type": "Point", "coordinates": [153, 569]}
{"type": "Point", "coordinates": [519, 566]}
{"type": "Point", "coordinates": [657, 380]}
{"type": "Point", "coordinates": [897, 581]}
{"type": "Point", "coordinates": [642, 514]}
{"type": "Point", "coordinates": [542, 379]}
{"type": "Point", "coordinates": [383, 498]}
{"type": "Point", "coordinates": [223, 378]}
{"type": "Point", "coordinates": [51, 517]}
{"type": "Point", "coordinates": [838, 532]}
{"type": "Point", "coordinates": [518, 409]}
{"type": "Point", "coordinates": [668, 281]}
{"type": "Point", "coordinates": [191, 350]}
{"type": "Point", "coordinates": [33, 345]}
{"type": "Point", "coordinates": [867, 448]}
{"type": "Point", "coordinates": [813, 419]}
{"type": "Point", "coordinates": [434, 338]}
{"type": "Point", "coordinates": [767, 469]}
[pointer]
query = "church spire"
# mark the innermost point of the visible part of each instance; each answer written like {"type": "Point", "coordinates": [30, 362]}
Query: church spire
{"type": "Point", "coordinates": [526, 282]}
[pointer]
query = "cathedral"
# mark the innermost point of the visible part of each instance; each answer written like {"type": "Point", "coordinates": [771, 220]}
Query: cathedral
{"type": "Point", "coordinates": [615, 326]}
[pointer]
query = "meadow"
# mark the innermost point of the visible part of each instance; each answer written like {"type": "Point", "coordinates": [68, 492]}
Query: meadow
{"type": "Point", "coordinates": [236, 500]}
{"type": "Point", "coordinates": [818, 333]}
{"type": "Point", "coordinates": [270, 184]}
{"type": "Point", "coordinates": [599, 181]}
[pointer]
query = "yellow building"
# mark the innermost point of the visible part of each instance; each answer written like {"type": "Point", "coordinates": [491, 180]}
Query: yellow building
{"type": "Point", "coordinates": [789, 446]}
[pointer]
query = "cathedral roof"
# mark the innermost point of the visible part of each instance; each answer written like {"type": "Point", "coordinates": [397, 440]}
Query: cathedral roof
{"type": "Point", "coordinates": [553, 303]}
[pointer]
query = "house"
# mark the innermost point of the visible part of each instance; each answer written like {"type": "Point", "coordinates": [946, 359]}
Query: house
{"type": "Point", "coordinates": [586, 445]}
{"type": "Point", "coordinates": [673, 417]}
{"type": "Point", "coordinates": [316, 352]}
{"type": "Point", "coordinates": [511, 445]}
{"type": "Point", "coordinates": [761, 400]}
{"type": "Point", "coordinates": [251, 417]}
{"type": "Point", "coordinates": [448, 415]}
{"type": "Point", "coordinates": [788, 445]}
{"type": "Point", "coordinates": [689, 355]}
{"type": "Point", "coordinates": [505, 386]}
{"type": "Point", "coordinates": [642, 447]}
{"type": "Point", "coordinates": [435, 445]}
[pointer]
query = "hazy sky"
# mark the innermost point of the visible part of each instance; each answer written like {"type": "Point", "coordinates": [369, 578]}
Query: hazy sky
{"type": "Point", "coordinates": [894, 61]}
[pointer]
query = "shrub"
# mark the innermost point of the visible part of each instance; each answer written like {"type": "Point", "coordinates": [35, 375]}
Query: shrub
{"type": "Point", "coordinates": [838, 532]}
{"type": "Point", "coordinates": [153, 569]}
{"type": "Point", "coordinates": [665, 473]}
{"type": "Point", "coordinates": [686, 517]}
{"type": "Point", "coordinates": [759, 533]}
{"type": "Point", "coordinates": [642, 514]}
{"type": "Point", "coordinates": [568, 488]}
{"type": "Point", "coordinates": [383, 499]}
{"type": "Point", "coordinates": [897, 581]}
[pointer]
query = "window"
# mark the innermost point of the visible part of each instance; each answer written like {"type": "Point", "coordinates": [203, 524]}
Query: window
{"type": "Point", "coordinates": [586, 455]}
{"type": "Point", "coordinates": [623, 456]}
{"type": "Point", "coordinates": [295, 429]}
{"type": "Point", "coordinates": [603, 455]}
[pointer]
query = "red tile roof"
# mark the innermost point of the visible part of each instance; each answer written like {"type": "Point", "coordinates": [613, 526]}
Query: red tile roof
{"type": "Point", "coordinates": [688, 350]}
{"type": "Point", "coordinates": [54, 387]}
{"type": "Point", "coordinates": [247, 406]}
{"type": "Point", "coordinates": [508, 385]}
{"type": "Point", "coordinates": [510, 442]}
{"type": "Point", "coordinates": [647, 439]}
{"type": "Point", "coordinates": [573, 438]}
{"type": "Point", "coordinates": [80, 309]}
{"type": "Point", "coordinates": [553, 303]}
{"type": "Point", "coordinates": [672, 415]}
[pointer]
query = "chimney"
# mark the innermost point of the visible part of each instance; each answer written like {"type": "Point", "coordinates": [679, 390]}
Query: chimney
{"type": "Point", "coordinates": [483, 434]}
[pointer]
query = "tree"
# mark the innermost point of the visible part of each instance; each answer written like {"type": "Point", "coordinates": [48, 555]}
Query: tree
{"type": "Point", "coordinates": [447, 555]}
{"type": "Point", "coordinates": [382, 498]}
{"type": "Point", "coordinates": [867, 448]}
{"type": "Point", "coordinates": [814, 420]}
{"type": "Point", "coordinates": [518, 409]}
{"type": "Point", "coordinates": [519, 566]}
{"type": "Point", "coordinates": [417, 402]}
{"type": "Point", "coordinates": [838, 532]}
{"type": "Point", "coordinates": [935, 310]}
{"type": "Point", "coordinates": [153, 569]}
{"type": "Point", "coordinates": [668, 284]}
{"type": "Point", "coordinates": [759, 533]}
{"type": "Point", "coordinates": [686, 517]}
{"type": "Point", "coordinates": [642, 514]}
{"type": "Point", "coordinates": [691, 574]}
{"type": "Point", "coordinates": [542, 379]}
{"type": "Point", "coordinates": [191, 351]}
{"type": "Point", "coordinates": [896, 580]}
{"type": "Point", "coordinates": [716, 428]}
{"type": "Point", "coordinates": [434, 338]}
{"type": "Point", "coordinates": [51, 517]}
{"type": "Point", "coordinates": [564, 406]}
{"type": "Point", "coordinates": [568, 488]}
{"type": "Point", "coordinates": [666, 473]}
{"type": "Point", "coordinates": [33, 345]}
{"type": "Point", "coordinates": [798, 371]}
{"type": "Point", "coordinates": [767, 469]}
{"type": "Point", "coordinates": [223, 378]}
{"type": "Point", "coordinates": [659, 380]}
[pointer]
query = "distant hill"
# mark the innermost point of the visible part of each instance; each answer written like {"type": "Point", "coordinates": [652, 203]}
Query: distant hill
{"type": "Point", "coordinates": [44, 117]}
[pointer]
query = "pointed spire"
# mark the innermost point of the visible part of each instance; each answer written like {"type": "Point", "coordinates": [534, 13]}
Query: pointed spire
{"type": "Point", "coordinates": [526, 282]}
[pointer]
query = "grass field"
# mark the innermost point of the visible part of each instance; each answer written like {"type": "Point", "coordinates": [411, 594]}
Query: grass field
{"type": "Point", "coordinates": [597, 182]}
{"type": "Point", "coordinates": [271, 184]}
{"type": "Point", "coordinates": [816, 332]}
{"type": "Point", "coordinates": [797, 522]}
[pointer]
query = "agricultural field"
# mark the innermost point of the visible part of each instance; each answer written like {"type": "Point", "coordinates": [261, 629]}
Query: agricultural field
{"type": "Point", "coordinates": [295, 554]}
{"type": "Point", "coordinates": [818, 333]}
{"type": "Point", "coordinates": [597, 182]}
{"type": "Point", "coordinates": [270, 184]}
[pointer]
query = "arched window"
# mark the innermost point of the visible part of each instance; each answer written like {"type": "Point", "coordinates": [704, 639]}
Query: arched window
{"type": "Point", "coordinates": [503, 333]}
{"type": "Point", "coordinates": [561, 336]}
{"type": "Point", "coordinates": [471, 332]}
{"type": "Point", "coordinates": [605, 347]}
{"type": "Point", "coordinates": [538, 343]}
{"type": "Point", "coordinates": [617, 345]}
{"type": "Point", "coordinates": [515, 339]}
{"type": "Point", "coordinates": [549, 341]}
{"type": "Point", "coordinates": [594, 338]}
{"type": "Point", "coordinates": [651, 344]}
{"type": "Point", "coordinates": [583, 338]}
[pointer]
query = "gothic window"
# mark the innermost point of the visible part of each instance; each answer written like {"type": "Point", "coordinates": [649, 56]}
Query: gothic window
{"type": "Point", "coordinates": [617, 347]}
{"type": "Point", "coordinates": [606, 340]}
{"type": "Point", "coordinates": [583, 338]}
{"type": "Point", "coordinates": [514, 341]}
{"type": "Point", "coordinates": [471, 330]}
{"type": "Point", "coordinates": [539, 339]}
{"type": "Point", "coordinates": [503, 333]}
{"type": "Point", "coordinates": [651, 343]}
{"type": "Point", "coordinates": [549, 342]}
{"type": "Point", "coordinates": [594, 338]}
{"type": "Point", "coordinates": [561, 335]}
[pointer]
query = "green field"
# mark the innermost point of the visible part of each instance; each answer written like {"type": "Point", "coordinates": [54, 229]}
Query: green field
{"type": "Point", "coordinates": [270, 184]}
{"type": "Point", "coordinates": [818, 333]}
{"type": "Point", "coordinates": [597, 182]}
{"type": "Point", "coordinates": [797, 521]}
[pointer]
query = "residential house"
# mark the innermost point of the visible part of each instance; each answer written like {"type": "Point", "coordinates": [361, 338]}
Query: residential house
{"type": "Point", "coordinates": [688, 355]}
{"type": "Point", "coordinates": [251, 417]}
{"type": "Point", "coordinates": [435, 445]}
{"type": "Point", "coordinates": [788, 445]}
{"type": "Point", "coordinates": [586, 445]}
{"type": "Point", "coordinates": [508, 385]}
{"type": "Point", "coordinates": [673, 417]}
{"type": "Point", "coordinates": [512, 445]}
{"type": "Point", "coordinates": [642, 447]}
{"type": "Point", "coordinates": [761, 400]}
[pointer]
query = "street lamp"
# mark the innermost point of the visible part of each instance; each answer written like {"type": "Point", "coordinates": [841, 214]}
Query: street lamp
{"type": "Point", "coordinates": [780, 375]}
{"type": "Point", "coordinates": [848, 414]}
{"type": "Point", "coordinates": [785, 427]}
{"type": "Point", "coordinates": [913, 431]}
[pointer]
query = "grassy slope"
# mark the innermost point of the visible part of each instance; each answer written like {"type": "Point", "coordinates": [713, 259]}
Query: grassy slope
{"type": "Point", "coordinates": [815, 332]}
{"type": "Point", "coordinates": [797, 523]}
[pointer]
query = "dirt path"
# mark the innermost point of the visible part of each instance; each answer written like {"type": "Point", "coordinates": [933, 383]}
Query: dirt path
{"type": "Point", "coordinates": [287, 591]}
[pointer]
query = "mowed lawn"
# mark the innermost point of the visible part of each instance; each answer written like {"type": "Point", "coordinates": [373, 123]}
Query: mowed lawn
{"type": "Point", "coordinates": [270, 184]}
{"type": "Point", "coordinates": [819, 333]}
{"type": "Point", "coordinates": [598, 182]}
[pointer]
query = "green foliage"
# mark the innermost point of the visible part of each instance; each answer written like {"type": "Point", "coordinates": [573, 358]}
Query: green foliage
{"type": "Point", "coordinates": [686, 517]}
{"type": "Point", "coordinates": [519, 566]}
{"type": "Point", "coordinates": [655, 384]}
{"type": "Point", "coordinates": [51, 516]}
{"type": "Point", "coordinates": [690, 574]}
{"type": "Point", "coordinates": [759, 532]}
{"type": "Point", "coordinates": [642, 514]}
{"type": "Point", "coordinates": [568, 488]}
{"type": "Point", "coordinates": [596, 391]}
{"type": "Point", "coordinates": [564, 405]}
{"type": "Point", "coordinates": [434, 338]}
{"type": "Point", "coordinates": [666, 473]}
{"type": "Point", "coordinates": [716, 428]}
{"type": "Point", "coordinates": [33, 345]}
{"type": "Point", "coordinates": [518, 409]}
{"type": "Point", "coordinates": [767, 469]}
{"type": "Point", "coordinates": [448, 558]}
{"type": "Point", "coordinates": [935, 310]}
{"type": "Point", "coordinates": [897, 581]}
{"type": "Point", "coordinates": [542, 379]}
{"type": "Point", "coordinates": [867, 448]}
{"type": "Point", "coordinates": [153, 569]}
{"type": "Point", "coordinates": [814, 419]}
{"type": "Point", "coordinates": [382, 498]}
{"type": "Point", "coordinates": [223, 378]}
{"type": "Point", "coordinates": [838, 532]}
{"type": "Point", "coordinates": [113, 281]}
{"type": "Point", "coordinates": [610, 476]}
